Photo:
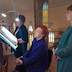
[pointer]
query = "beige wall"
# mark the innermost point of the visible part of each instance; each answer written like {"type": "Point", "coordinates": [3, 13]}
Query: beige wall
{"type": "Point", "coordinates": [29, 14]}
{"type": "Point", "coordinates": [57, 17]}
{"type": "Point", "coordinates": [29, 17]}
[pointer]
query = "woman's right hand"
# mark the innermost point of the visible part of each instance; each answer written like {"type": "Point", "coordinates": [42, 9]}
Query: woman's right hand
{"type": "Point", "coordinates": [19, 61]}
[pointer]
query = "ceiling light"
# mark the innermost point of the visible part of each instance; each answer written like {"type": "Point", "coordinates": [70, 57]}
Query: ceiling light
{"type": "Point", "coordinates": [30, 28]}
{"type": "Point", "coordinates": [17, 19]}
{"type": "Point", "coordinates": [4, 15]}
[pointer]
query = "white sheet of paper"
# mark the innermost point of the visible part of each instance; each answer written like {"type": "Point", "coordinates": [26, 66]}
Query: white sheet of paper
{"type": "Point", "coordinates": [8, 37]}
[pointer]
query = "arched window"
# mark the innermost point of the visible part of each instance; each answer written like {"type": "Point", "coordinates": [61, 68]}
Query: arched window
{"type": "Point", "coordinates": [45, 14]}
{"type": "Point", "coordinates": [45, 22]}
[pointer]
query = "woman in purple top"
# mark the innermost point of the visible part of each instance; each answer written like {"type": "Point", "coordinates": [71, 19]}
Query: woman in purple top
{"type": "Point", "coordinates": [36, 59]}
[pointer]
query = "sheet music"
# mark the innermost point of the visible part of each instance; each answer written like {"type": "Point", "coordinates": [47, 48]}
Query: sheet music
{"type": "Point", "coordinates": [8, 37]}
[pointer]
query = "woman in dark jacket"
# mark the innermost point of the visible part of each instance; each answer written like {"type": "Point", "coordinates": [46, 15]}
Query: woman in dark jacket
{"type": "Point", "coordinates": [22, 36]}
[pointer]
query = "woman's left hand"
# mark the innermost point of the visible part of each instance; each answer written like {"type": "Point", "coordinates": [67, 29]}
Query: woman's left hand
{"type": "Point", "coordinates": [58, 58]}
{"type": "Point", "coordinates": [20, 40]}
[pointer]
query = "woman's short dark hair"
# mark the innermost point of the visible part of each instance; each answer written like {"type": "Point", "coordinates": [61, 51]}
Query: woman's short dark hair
{"type": "Point", "coordinates": [22, 18]}
{"type": "Point", "coordinates": [69, 8]}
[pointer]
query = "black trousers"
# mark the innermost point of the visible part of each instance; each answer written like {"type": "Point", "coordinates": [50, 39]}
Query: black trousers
{"type": "Point", "coordinates": [20, 68]}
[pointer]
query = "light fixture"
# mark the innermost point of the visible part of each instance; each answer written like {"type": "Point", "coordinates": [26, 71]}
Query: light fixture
{"type": "Point", "coordinates": [4, 15]}
{"type": "Point", "coordinates": [17, 19]}
{"type": "Point", "coordinates": [30, 29]}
